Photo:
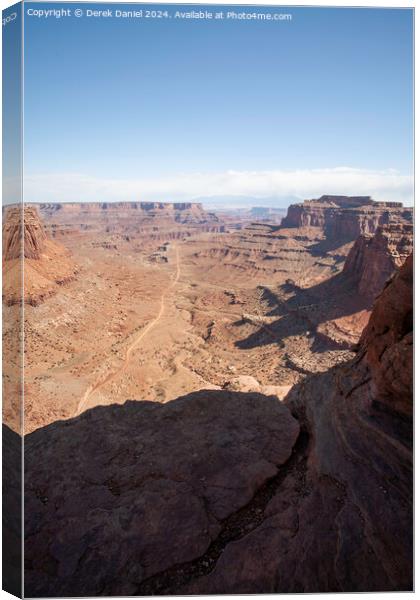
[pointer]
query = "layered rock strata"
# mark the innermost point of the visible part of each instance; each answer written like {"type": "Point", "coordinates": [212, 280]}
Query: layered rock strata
{"type": "Point", "coordinates": [343, 218]}
{"type": "Point", "coordinates": [374, 258]}
{"type": "Point", "coordinates": [151, 219]}
{"type": "Point", "coordinates": [45, 265]}
{"type": "Point", "coordinates": [23, 234]}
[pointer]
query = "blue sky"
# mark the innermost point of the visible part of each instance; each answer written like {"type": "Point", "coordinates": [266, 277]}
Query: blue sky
{"type": "Point", "coordinates": [117, 108]}
{"type": "Point", "coordinates": [12, 105]}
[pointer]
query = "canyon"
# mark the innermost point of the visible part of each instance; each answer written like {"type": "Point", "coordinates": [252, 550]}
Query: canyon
{"type": "Point", "coordinates": [222, 379]}
{"type": "Point", "coordinates": [156, 300]}
{"type": "Point", "coordinates": [144, 219]}
{"type": "Point", "coordinates": [258, 496]}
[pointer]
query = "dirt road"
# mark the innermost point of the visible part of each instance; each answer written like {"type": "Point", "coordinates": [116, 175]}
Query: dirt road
{"type": "Point", "coordinates": [130, 349]}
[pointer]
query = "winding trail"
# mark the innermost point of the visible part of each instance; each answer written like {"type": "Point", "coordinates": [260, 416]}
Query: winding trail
{"type": "Point", "coordinates": [130, 349]}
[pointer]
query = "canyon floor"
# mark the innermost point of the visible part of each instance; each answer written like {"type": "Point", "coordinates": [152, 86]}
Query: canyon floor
{"type": "Point", "coordinates": [198, 313]}
{"type": "Point", "coordinates": [211, 406]}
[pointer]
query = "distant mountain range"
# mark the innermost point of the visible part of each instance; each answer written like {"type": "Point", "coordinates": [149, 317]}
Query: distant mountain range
{"type": "Point", "coordinates": [238, 202]}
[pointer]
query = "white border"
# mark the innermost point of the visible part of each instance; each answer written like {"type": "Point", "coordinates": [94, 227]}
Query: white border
{"type": "Point", "coordinates": [326, 3]}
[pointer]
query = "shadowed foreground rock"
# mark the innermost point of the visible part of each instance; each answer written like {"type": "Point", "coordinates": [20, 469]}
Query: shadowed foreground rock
{"type": "Point", "coordinates": [219, 492]}
{"type": "Point", "coordinates": [122, 493]}
{"type": "Point", "coordinates": [12, 512]}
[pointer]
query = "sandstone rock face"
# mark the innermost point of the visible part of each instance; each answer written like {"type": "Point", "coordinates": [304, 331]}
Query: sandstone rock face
{"type": "Point", "coordinates": [302, 215]}
{"type": "Point", "coordinates": [46, 264]}
{"type": "Point", "coordinates": [374, 258]}
{"type": "Point", "coordinates": [229, 492]}
{"type": "Point", "coordinates": [387, 343]}
{"type": "Point", "coordinates": [348, 224]}
{"type": "Point", "coordinates": [344, 218]}
{"type": "Point", "coordinates": [23, 234]}
{"type": "Point", "coordinates": [122, 493]}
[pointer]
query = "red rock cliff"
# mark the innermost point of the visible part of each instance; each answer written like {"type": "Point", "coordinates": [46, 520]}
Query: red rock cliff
{"type": "Point", "coordinates": [387, 343]}
{"type": "Point", "coordinates": [23, 233]}
{"type": "Point", "coordinates": [343, 218]}
{"type": "Point", "coordinates": [374, 258]}
{"type": "Point", "coordinates": [46, 264]}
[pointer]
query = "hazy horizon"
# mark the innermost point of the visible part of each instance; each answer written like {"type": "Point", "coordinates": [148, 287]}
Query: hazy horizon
{"type": "Point", "coordinates": [215, 203]}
